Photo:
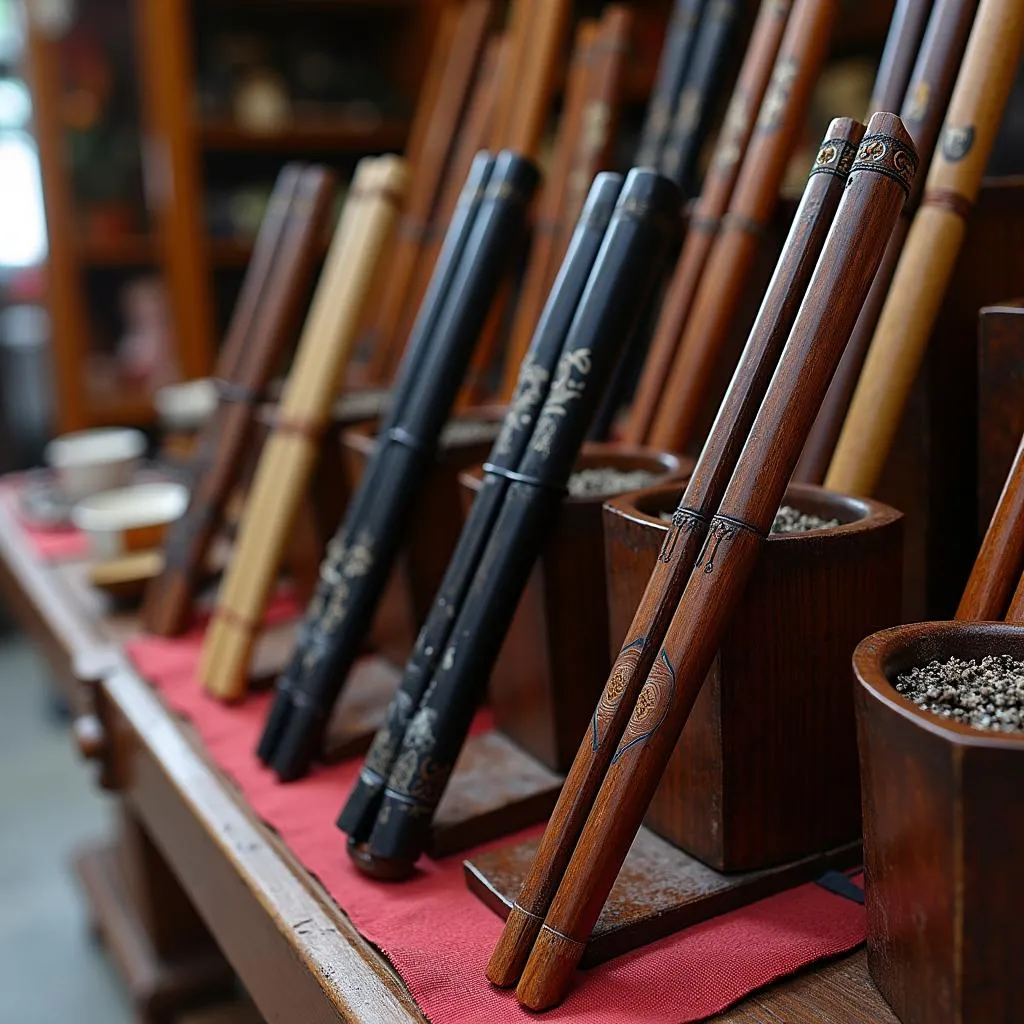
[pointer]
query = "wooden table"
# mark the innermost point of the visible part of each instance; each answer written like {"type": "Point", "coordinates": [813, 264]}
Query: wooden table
{"type": "Point", "coordinates": [194, 866]}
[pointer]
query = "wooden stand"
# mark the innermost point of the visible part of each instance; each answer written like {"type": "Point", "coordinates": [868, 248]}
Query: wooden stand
{"type": "Point", "coordinates": [942, 853]}
{"type": "Point", "coordinates": [766, 769]}
{"type": "Point", "coordinates": [433, 530]}
{"type": "Point", "coordinates": [660, 889]}
{"type": "Point", "coordinates": [555, 658]}
{"type": "Point", "coordinates": [548, 675]}
{"type": "Point", "coordinates": [762, 792]}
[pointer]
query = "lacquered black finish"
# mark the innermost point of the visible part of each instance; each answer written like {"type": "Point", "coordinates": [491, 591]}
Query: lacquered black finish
{"type": "Point", "coordinates": [360, 557]}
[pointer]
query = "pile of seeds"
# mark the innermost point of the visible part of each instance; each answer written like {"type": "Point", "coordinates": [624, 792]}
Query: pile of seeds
{"type": "Point", "coordinates": [988, 694]}
{"type": "Point", "coordinates": [792, 520]}
{"type": "Point", "coordinates": [589, 483]}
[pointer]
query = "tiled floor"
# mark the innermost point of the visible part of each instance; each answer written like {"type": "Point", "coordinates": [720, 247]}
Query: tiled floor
{"type": "Point", "coordinates": [51, 970]}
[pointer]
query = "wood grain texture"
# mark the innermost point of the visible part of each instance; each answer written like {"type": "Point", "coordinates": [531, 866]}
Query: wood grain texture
{"type": "Point", "coordinates": [253, 892]}
{"type": "Point", "coordinates": [660, 890]}
{"type": "Point", "coordinates": [801, 54]}
{"type": "Point", "coordinates": [941, 903]}
{"type": "Point", "coordinates": [878, 185]}
{"type": "Point", "coordinates": [922, 109]}
{"type": "Point", "coordinates": [706, 218]}
{"type": "Point", "coordinates": [929, 256]}
{"type": "Point", "coordinates": [641, 642]}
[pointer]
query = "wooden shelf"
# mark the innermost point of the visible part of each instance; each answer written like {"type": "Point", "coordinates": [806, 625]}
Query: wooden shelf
{"type": "Point", "coordinates": [320, 134]}
{"type": "Point", "coordinates": [129, 251]}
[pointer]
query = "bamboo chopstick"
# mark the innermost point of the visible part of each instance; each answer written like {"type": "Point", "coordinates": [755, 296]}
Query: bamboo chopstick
{"type": "Point", "coordinates": [929, 256]}
{"type": "Point", "coordinates": [287, 460]}
{"type": "Point", "coordinates": [923, 110]}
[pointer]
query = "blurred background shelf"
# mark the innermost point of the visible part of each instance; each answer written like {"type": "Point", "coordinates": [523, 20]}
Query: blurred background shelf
{"type": "Point", "coordinates": [321, 135]}
{"type": "Point", "coordinates": [156, 162]}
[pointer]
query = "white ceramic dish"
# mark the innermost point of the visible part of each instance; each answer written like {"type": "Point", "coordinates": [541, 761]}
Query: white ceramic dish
{"type": "Point", "coordinates": [184, 408]}
{"type": "Point", "coordinates": [130, 518]}
{"type": "Point", "coordinates": [92, 461]}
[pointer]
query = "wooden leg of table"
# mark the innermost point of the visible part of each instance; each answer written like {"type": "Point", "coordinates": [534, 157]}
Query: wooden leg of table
{"type": "Point", "coordinates": [157, 940]}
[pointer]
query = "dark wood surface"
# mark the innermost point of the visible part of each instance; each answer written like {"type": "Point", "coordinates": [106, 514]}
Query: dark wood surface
{"type": "Point", "coordinates": [293, 949]}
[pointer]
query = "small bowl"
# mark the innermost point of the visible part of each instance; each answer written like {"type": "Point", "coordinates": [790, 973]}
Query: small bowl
{"type": "Point", "coordinates": [92, 461]}
{"type": "Point", "coordinates": [184, 408]}
{"type": "Point", "coordinates": [130, 518]}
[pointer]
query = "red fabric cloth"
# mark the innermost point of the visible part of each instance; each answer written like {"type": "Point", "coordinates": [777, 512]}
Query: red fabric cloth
{"type": "Point", "coordinates": [58, 544]}
{"type": "Point", "coordinates": [439, 936]}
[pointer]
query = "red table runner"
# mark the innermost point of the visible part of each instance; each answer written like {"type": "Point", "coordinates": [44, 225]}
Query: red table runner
{"type": "Point", "coordinates": [439, 936]}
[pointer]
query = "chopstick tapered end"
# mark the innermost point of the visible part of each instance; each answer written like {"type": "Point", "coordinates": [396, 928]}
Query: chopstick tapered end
{"type": "Point", "coordinates": [513, 948]}
{"type": "Point", "coordinates": [549, 970]}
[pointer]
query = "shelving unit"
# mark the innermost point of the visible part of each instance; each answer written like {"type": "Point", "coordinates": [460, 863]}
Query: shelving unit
{"type": "Point", "coordinates": [185, 153]}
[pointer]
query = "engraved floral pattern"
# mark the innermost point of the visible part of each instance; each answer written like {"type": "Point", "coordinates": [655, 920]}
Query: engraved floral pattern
{"type": "Point", "coordinates": [651, 706]}
{"type": "Point", "coordinates": [567, 387]}
{"type": "Point", "coordinates": [529, 391]}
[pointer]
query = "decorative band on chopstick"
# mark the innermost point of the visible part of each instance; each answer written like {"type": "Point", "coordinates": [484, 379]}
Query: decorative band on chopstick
{"type": "Point", "coordinates": [836, 157]}
{"type": "Point", "coordinates": [529, 913]}
{"type": "Point", "coordinates": [698, 222]}
{"type": "Point", "coordinates": [743, 223]}
{"type": "Point", "coordinates": [883, 154]}
{"type": "Point", "coordinates": [506, 190]}
{"type": "Point", "coordinates": [309, 429]}
{"type": "Point", "coordinates": [722, 529]}
{"type": "Point", "coordinates": [232, 391]}
{"type": "Point", "coordinates": [403, 437]}
{"type": "Point", "coordinates": [236, 619]}
{"type": "Point", "coordinates": [523, 478]}
{"type": "Point", "coordinates": [947, 199]}
{"type": "Point", "coordinates": [414, 229]}
{"type": "Point", "coordinates": [739, 524]}
{"type": "Point", "coordinates": [564, 938]}
{"type": "Point", "coordinates": [392, 195]}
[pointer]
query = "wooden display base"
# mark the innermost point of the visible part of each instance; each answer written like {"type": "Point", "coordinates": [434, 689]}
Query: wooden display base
{"type": "Point", "coordinates": [496, 789]}
{"type": "Point", "coordinates": [660, 889]}
{"type": "Point", "coordinates": [359, 712]}
{"type": "Point", "coordinates": [157, 987]}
